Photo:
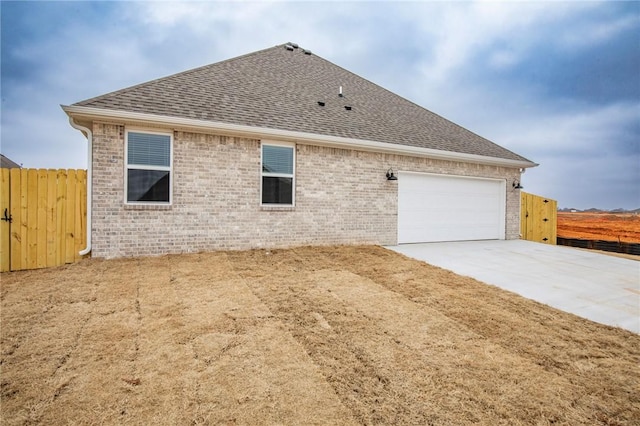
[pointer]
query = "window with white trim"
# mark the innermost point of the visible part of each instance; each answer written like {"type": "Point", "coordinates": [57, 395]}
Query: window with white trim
{"type": "Point", "coordinates": [278, 171]}
{"type": "Point", "coordinates": [148, 168]}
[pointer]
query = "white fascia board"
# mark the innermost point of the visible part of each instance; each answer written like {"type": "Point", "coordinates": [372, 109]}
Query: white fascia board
{"type": "Point", "coordinates": [187, 124]}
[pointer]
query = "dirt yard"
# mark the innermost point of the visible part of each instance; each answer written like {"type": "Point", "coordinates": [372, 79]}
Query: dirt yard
{"type": "Point", "coordinates": [623, 227]}
{"type": "Point", "coordinates": [332, 336]}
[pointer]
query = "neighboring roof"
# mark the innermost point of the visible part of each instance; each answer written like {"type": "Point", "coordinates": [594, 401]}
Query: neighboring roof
{"type": "Point", "coordinates": [6, 163]}
{"type": "Point", "coordinates": [281, 87]}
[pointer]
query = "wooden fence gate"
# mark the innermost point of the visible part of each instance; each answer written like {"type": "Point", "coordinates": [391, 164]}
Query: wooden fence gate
{"type": "Point", "coordinates": [44, 217]}
{"type": "Point", "coordinates": [538, 218]}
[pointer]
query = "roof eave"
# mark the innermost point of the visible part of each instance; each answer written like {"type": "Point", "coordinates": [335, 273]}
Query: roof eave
{"type": "Point", "coordinates": [180, 123]}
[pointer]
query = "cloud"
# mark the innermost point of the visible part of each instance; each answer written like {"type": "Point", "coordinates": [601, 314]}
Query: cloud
{"type": "Point", "coordinates": [608, 181]}
{"type": "Point", "coordinates": [555, 82]}
{"type": "Point", "coordinates": [35, 136]}
{"type": "Point", "coordinates": [596, 31]}
{"type": "Point", "coordinates": [583, 131]}
{"type": "Point", "coordinates": [461, 30]}
{"type": "Point", "coordinates": [588, 158]}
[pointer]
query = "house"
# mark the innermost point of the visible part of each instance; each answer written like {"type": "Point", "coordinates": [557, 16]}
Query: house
{"type": "Point", "coordinates": [7, 163]}
{"type": "Point", "coordinates": [280, 148]}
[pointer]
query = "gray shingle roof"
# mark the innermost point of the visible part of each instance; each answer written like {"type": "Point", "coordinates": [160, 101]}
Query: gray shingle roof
{"type": "Point", "coordinates": [278, 88]}
{"type": "Point", "coordinates": [7, 163]}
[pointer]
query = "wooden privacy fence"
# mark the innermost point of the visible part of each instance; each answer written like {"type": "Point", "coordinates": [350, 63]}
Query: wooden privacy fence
{"type": "Point", "coordinates": [538, 218]}
{"type": "Point", "coordinates": [44, 217]}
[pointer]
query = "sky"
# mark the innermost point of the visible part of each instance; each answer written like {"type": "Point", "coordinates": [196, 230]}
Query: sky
{"type": "Point", "coordinates": [556, 82]}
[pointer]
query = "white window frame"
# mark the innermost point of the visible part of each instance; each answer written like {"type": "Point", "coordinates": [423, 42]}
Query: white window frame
{"type": "Point", "coordinates": [128, 166]}
{"type": "Point", "coordinates": [285, 175]}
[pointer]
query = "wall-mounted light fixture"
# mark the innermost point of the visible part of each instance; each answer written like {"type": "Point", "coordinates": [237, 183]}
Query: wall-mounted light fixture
{"type": "Point", "coordinates": [390, 175]}
{"type": "Point", "coordinates": [516, 185]}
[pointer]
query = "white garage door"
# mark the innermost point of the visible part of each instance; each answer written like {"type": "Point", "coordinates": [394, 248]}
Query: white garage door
{"type": "Point", "coordinates": [449, 208]}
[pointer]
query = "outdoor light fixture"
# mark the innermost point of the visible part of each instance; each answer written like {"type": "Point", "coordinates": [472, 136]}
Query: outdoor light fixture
{"type": "Point", "coordinates": [516, 185]}
{"type": "Point", "coordinates": [390, 175]}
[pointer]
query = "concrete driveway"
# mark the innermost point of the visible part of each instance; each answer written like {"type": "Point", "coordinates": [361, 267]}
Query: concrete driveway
{"type": "Point", "coordinates": [596, 286]}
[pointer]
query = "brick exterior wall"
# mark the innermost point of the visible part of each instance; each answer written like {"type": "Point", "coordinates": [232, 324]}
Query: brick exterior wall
{"type": "Point", "coordinates": [342, 197]}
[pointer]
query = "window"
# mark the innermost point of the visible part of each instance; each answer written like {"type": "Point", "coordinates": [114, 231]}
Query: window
{"type": "Point", "coordinates": [148, 168]}
{"type": "Point", "coordinates": [278, 183]}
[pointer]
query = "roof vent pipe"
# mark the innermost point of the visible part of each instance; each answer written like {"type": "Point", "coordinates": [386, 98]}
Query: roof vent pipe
{"type": "Point", "coordinates": [340, 92]}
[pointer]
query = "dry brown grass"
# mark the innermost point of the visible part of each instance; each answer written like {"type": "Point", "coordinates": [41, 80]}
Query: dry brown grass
{"type": "Point", "coordinates": [336, 335]}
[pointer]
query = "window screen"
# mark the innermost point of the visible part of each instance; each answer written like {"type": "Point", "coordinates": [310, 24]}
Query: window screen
{"type": "Point", "coordinates": [148, 168]}
{"type": "Point", "coordinates": [277, 159]}
{"type": "Point", "coordinates": [149, 149]}
{"type": "Point", "coordinates": [278, 185]}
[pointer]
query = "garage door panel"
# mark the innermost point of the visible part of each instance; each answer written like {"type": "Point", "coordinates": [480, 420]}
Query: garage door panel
{"type": "Point", "coordinates": [449, 208]}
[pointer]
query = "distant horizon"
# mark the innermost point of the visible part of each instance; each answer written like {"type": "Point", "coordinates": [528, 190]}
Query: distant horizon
{"type": "Point", "coordinates": [618, 210]}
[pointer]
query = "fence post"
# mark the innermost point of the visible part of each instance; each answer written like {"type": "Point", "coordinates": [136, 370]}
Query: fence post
{"type": "Point", "coordinates": [20, 252]}
{"type": "Point", "coordinates": [5, 226]}
{"type": "Point", "coordinates": [61, 209]}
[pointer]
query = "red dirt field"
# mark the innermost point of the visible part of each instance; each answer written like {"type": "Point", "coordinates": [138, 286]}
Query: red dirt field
{"type": "Point", "coordinates": [624, 227]}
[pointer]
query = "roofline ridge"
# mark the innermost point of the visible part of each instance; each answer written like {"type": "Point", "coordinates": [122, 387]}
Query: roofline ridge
{"type": "Point", "coordinates": [180, 73]}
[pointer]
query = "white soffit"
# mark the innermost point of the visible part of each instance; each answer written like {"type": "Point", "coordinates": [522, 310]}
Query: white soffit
{"type": "Point", "coordinates": [178, 123]}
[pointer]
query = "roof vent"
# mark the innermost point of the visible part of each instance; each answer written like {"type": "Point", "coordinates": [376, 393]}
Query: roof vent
{"type": "Point", "coordinates": [347, 107]}
{"type": "Point", "coordinates": [340, 92]}
{"type": "Point", "coordinates": [288, 47]}
{"type": "Point", "coordinates": [306, 52]}
{"type": "Point", "coordinates": [321, 103]}
{"type": "Point", "coordinates": [294, 45]}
